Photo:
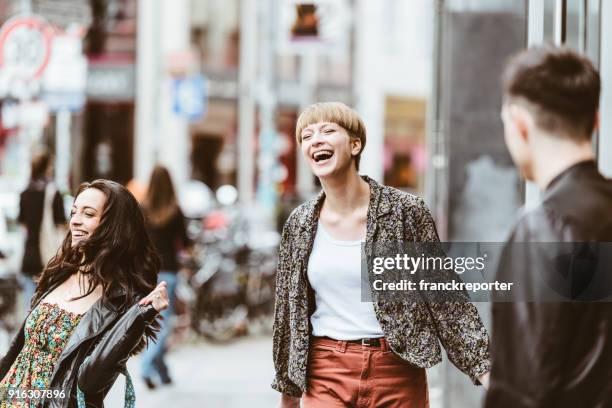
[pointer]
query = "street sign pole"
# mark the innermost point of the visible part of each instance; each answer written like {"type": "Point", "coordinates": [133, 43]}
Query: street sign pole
{"type": "Point", "coordinates": [26, 6]}
{"type": "Point", "coordinates": [62, 148]}
{"type": "Point", "coordinates": [25, 49]}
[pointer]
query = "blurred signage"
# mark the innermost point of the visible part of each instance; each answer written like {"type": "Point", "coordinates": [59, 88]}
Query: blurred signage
{"type": "Point", "coordinates": [331, 92]}
{"type": "Point", "coordinates": [190, 97]}
{"type": "Point", "coordinates": [30, 115]}
{"type": "Point", "coordinates": [314, 26]}
{"type": "Point", "coordinates": [271, 170]}
{"type": "Point", "coordinates": [111, 81]}
{"type": "Point", "coordinates": [25, 49]}
{"type": "Point", "coordinates": [65, 79]}
{"type": "Point", "coordinates": [62, 13]}
{"type": "Point", "coordinates": [222, 85]}
{"type": "Point", "coordinates": [181, 62]}
{"type": "Point", "coordinates": [58, 101]}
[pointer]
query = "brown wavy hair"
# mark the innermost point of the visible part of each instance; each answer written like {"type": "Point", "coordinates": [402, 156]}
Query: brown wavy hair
{"type": "Point", "coordinates": [119, 254]}
{"type": "Point", "coordinates": [160, 203]}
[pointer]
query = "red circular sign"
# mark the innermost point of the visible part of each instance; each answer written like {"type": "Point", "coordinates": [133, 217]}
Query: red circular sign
{"type": "Point", "coordinates": [25, 46]}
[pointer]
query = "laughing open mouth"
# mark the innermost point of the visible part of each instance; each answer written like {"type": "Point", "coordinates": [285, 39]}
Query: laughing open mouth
{"type": "Point", "coordinates": [79, 234]}
{"type": "Point", "coordinates": [322, 155]}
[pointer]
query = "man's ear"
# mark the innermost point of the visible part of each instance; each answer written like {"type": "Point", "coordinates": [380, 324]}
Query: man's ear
{"type": "Point", "coordinates": [597, 122]}
{"type": "Point", "coordinates": [522, 120]}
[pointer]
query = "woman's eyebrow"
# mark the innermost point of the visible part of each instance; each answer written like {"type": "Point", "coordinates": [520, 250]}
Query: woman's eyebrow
{"type": "Point", "coordinates": [85, 207]}
{"type": "Point", "coordinates": [327, 125]}
{"type": "Point", "coordinates": [321, 127]}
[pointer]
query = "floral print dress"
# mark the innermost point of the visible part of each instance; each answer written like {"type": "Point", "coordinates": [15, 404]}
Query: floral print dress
{"type": "Point", "coordinates": [47, 330]}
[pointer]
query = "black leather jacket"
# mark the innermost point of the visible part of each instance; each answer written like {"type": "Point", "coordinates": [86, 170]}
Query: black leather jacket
{"type": "Point", "coordinates": [555, 354]}
{"type": "Point", "coordinates": [107, 335]}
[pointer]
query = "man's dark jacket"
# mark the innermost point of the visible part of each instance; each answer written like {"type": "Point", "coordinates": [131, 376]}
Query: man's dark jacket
{"type": "Point", "coordinates": [557, 353]}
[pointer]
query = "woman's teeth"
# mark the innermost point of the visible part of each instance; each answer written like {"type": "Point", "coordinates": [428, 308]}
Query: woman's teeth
{"type": "Point", "coordinates": [322, 156]}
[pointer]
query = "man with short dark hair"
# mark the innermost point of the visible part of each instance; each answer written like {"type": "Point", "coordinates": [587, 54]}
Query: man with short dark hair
{"type": "Point", "coordinates": [553, 354]}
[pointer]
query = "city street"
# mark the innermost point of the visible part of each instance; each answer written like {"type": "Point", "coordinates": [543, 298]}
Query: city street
{"type": "Point", "coordinates": [241, 166]}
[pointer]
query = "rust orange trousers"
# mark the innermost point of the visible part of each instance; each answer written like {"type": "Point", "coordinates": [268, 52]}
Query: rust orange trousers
{"type": "Point", "coordinates": [342, 374]}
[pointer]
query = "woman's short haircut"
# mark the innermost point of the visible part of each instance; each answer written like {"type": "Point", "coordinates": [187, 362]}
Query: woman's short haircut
{"type": "Point", "coordinates": [333, 112]}
{"type": "Point", "coordinates": [560, 86]}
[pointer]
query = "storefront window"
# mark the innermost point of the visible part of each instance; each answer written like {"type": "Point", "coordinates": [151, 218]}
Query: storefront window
{"type": "Point", "coordinates": [405, 146]}
{"type": "Point", "coordinates": [215, 43]}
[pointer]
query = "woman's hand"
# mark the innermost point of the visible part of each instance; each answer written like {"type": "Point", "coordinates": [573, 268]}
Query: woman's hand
{"type": "Point", "coordinates": [158, 297]}
{"type": "Point", "coordinates": [484, 380]}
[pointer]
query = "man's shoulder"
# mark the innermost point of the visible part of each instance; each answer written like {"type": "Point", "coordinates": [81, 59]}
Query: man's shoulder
{"type": "Point", "coordinates": [534, 224]}
{"type": "Point", "coordinates": [578, 216]}
{"type": "Point", "coordinates": [580, 204]}
{"type": "Point", "coordinates": [548, 223]}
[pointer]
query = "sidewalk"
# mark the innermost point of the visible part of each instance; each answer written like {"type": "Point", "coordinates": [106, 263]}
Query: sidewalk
{"type": "Point", "coordinates": [235, 375]}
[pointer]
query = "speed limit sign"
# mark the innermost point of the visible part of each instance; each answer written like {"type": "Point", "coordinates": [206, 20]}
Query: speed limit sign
{"type": "Point", "coordinates": [25, 47]}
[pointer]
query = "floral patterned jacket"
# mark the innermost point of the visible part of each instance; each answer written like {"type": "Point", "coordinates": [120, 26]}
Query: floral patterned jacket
{"type": "Point", "coordinates": [413, 330]}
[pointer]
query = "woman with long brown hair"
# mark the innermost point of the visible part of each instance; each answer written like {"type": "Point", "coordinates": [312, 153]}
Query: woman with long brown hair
{"type": "Point", "coordinates": [91, 310]}
{"type": "Point", "coordinates": [166, 226]}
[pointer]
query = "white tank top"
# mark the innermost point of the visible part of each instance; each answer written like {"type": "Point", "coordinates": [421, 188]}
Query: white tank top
{"type": "Point", "coordinates": [334, 273]}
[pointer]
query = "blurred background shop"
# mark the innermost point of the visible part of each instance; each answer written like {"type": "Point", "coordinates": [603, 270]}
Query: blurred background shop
{"type": "Point", "coordinates": [212, 90]}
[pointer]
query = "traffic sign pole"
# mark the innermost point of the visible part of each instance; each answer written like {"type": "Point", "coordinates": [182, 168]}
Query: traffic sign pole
{"type": "Point", "coordinates": [25, 49]}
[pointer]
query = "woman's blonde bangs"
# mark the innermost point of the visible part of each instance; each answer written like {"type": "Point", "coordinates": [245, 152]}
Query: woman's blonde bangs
{"type": "Point", "coordinates": [333, 112]}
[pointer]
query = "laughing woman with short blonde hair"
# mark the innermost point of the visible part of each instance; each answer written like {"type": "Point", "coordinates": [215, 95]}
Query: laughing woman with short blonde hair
{"type": "Point", "coordinates": [330, 348]}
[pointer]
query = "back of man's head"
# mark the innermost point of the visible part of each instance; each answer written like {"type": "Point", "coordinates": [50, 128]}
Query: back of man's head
{"type": "Point", "coordinates": [560, 87]}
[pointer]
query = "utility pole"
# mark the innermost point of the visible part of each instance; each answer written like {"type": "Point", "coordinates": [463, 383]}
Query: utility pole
{"type": "Point", "coordinates": [247, 76]}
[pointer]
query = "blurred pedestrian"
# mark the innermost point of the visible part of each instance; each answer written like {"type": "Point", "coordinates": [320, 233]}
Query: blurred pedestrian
{"type": "Point", "coordinates": [41, 212]}
{"type": "Point", "coordinates": [553, 353]}
{"type": "Point", "coordinates": [306, 21]}
{"type": "Point", "coordinates": [137, 189]}
{"type": "Point", "coordinates": [94, 307]}
{"type": "Point", "coordinates": [329, 347]}
{"type": "Point", "coordinates": [166, 225]}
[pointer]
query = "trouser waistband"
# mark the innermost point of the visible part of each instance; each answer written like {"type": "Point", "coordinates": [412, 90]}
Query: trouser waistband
{"type": "Point", "coordinates": [341, 345]}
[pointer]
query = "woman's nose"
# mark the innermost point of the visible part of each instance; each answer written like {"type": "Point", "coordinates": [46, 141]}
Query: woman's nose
{"type": "Point", "coordinates": [75, 219]}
